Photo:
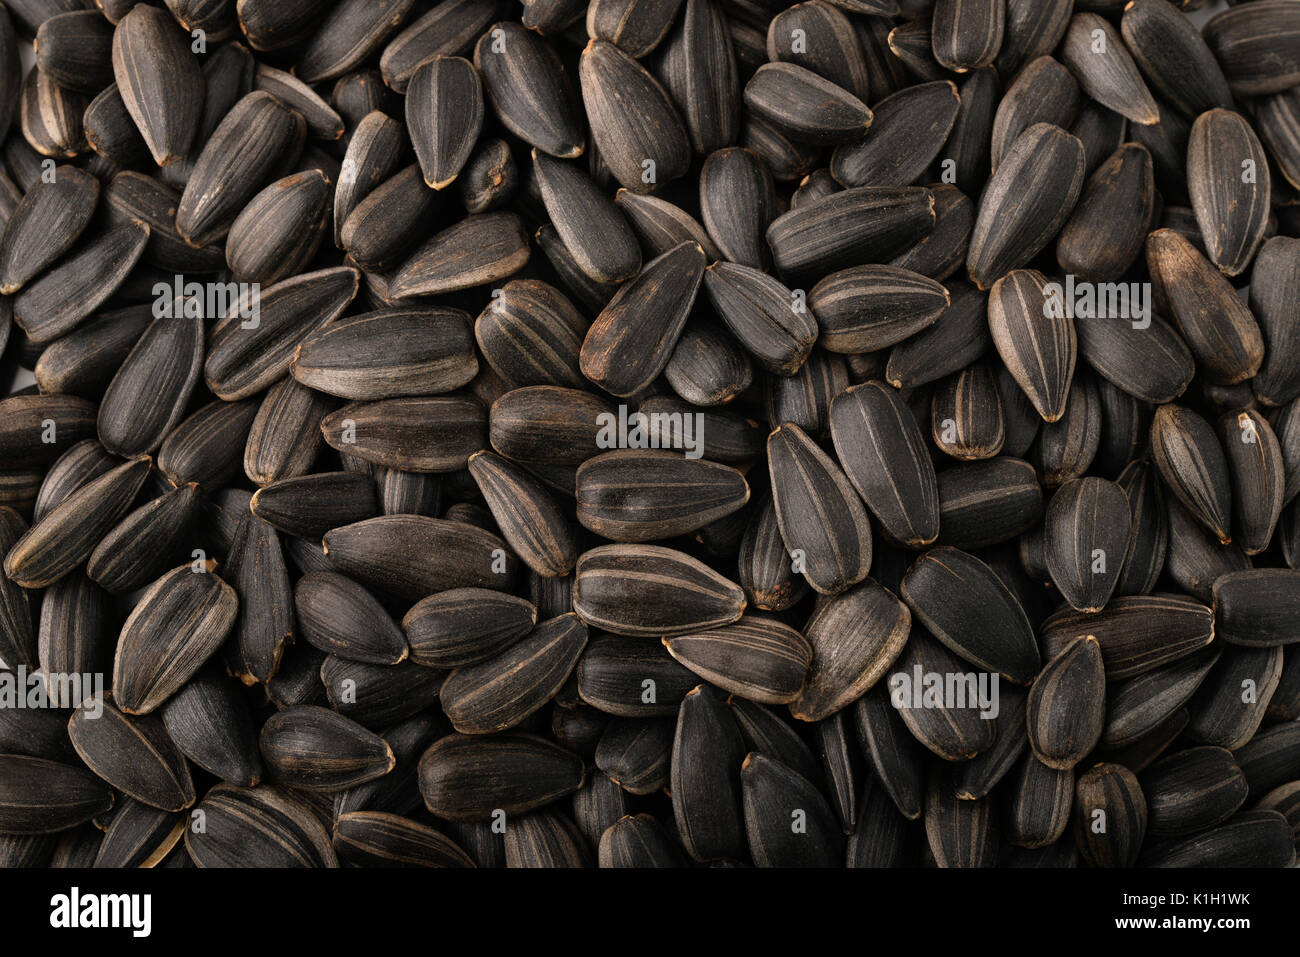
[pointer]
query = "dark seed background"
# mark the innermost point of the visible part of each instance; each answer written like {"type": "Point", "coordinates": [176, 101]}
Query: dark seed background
{"type": "Point", "coordinates": [366, 589]}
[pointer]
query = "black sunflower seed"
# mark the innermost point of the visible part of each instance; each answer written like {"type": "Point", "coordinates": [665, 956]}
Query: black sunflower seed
{"type": "Point", "coordinates": [315, 749]}
{"type": "Point", "coordinates": [1086, 540]}
{"type": "Point", "coordinates": [1110, 816]}
{"type": "Point", "coordinates": [133, 754]}
{"type": "Point", "coordinates": [1067, 705]}
{"type": "Point", "coordinates": [472, 777]}
{"type": "Point", "coordinates": [160, 81]}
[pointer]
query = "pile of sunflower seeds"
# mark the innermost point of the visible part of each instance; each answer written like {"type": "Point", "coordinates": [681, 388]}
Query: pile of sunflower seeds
{"type": "Point", "coordinates": [650, 433]}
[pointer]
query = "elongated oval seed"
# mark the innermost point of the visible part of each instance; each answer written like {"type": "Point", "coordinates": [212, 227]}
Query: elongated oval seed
{"type": "Point", "coordinates": [867, 308]}
{"type": "Point", "coordinates": [315, 749]}
{"type": "Point", "coordinates": [389, 353]}
{"type": "Point", "coordinates": [967, 607]}
{"type": "Point", "coordinates": [342, 618]}
{"type": "Point", "coordinates": [1067, 705]}
{"type": "Point", "coordinates": [757, 658]}
{"type": "Point", "coordinates": [1114, 791]}
{"type": "Point", "coordinates": [652, 590]}
{"type": "Point", "coordinates": [1231, 207]}
{"type": "Point", "coordinates": [178, 624]}
{"type": "Point", "coordinates": [1026, 203]}
{"type": "Point", "coordinates": [463, 626]}
{"type": "Point", "coordinates": [883, 454]}
{"type": "Point", "coordinates": [823, 523]}
{"type": "Point", "coordinates": [633, 338]}
{"type": "Point", "coordinates": [45, 224]}
{"type": "Point", "coordinates": [502, 691]}
{"type": "Point", "coordinates": [1095, 53]}
{"type": "Point", "coordinates": [67, 536]}
{"type": "Point", "coordinates": [1191, 461]}
{"type": "Point", "coordinates": [1256, 467]}
{"type": "Point", "coordinates": [160, 81]}
{"type": "Point", "coordinates": [39, 796]}
{"type": "Point", "coordinates": [1036, 339]}
{"type": "Point", "coordinates": [527, 515]}
{"type": "Point", "coordinates": [1086, 532]}
{"type": "Point", "coordinates": [530, 90]}
{"type": "Point", "coordinates": [908, 129]}
{"type": "Point", "coordinates": [470, 777]}
{"type": "Point", "coordinates": [133, 754]}
{"type": "Point", "coordinates": [763, 314]}
{"type": "Point", "coordinates": [1257, 607]}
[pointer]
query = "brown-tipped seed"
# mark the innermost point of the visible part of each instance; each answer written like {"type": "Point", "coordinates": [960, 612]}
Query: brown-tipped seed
{"type": "Point", "coordinates": [808, 107]}
{"type": "Point", "coordinates": [866, 308]}
{"type": "Point", "coordinates": [639, 495]}
{"type": "Point", "coordinates": [418, 434]}
{"type": "Point", "coordinates": [884, 455]}
{"type": "Point", "coordinates": [178, 624]}
{"type": "Point", "coordinates": [638, 841]}
{"type": "Point", "coordinates": [773, 323]}
{"type": "Point", "coordinates": [1035, 338]}
{"type": "Point", "coordinates": [1192, 790]}
{"type": "Point", "coordinates": [1086, 538]}
{"type": "Point", "coordinates": [258, 827]}
{"type": "Point", "coordinates": [378, 839]}
{"type": "Point", "coordinates": [1110, 816]}
{"type": "Point", "coordinates": [1228, 179]}
{"type": "Point", "coordinates": [530, 90]}
{"type": "Point", "coordinates": [1173, 57]}
{"type": "Point", "coordinates": [653, 591]}
{"type": "Point", "coordinates": [1067, 705]}
{"type": "Point", "coordinates": [1256, 467]}
{"type": "Point", "coordinates": [471, 777]}
{"type": "Point", "coordinates": [213, 725]}
{"type": "Point", "coordinates": [1136, 633]}
{"type": "Point", "coordinates": [1216, 323]}
{"type": "Point", "coordinates": [75, 50]}
{"type": "Point", "coordinates": [528, 516]}
{"type": "Point", "coordinates": [1025, 204]}
{"type": "Point", "coordinates": [705, 790]}
{"type": "Point", "coordinates": [479, 249]}
{"type": "Point", "coordinates": [1255, 45]}
{"type": "Point", "coordinates": [967, 34]}
{"type": "Point", "coordinates": [39, 796]}
{"type": "Point", "coordinates": [737, 203]}
{"type": "Point", "coordinates": [67, 536]}
{"type": "Point", "coordinates": [1258, 608]}
{"type": "Point", "coordinates": [241, 156]}
{"type": "Point", "coordinates": [638, 131]}
{"type": "Point", "coordinates": [756, 657]}
{"type": "Point", "coordinates": [444, 113]}
{"type": "Point", "coordinates": [450, 554]}
{"type": "Point", "coordinates": [160, 81]}
{"type": "Point", "coordinates": [280, 230]}
{"type": "Point", "coordinates": [966, 419]}
{"type": "Point", "coordinates": [967, 607]}
{"type": "Point", "coordinates": [463, 626]}
{"type": "Point", "coordinates": [45, 225]}
{"type": "Point", "coordinates": [501, 692]}
{"type": "Point", "coordinates": [633, 338]}
{"type": "Point", "coordinates": [315, 749]}
{"type": "Point", "coordinates": [206, 447]}
{"type": "Point", "coordinates": [389, 353]}
{"type": "Point", "coordinates": [1104, 235]}
{"type": "Point", "coordinates": [140, 836]}
{"type": "Point", "coordinates": [1192, 463]}
{"type": "Point", "coordinates": [1105, 70]}
{"type": "Point", "coordinates": [252, 348]}
{"type": "Point", "coordinates": [51, 117]}
{"type": "Point", "coordinates": [807, 488]}
{"type": "Point", "coordinates": [850, 228]}
{"type": "Point", "coordinates": [283, 440]}
{"type": "Point", "coordinates": [145, 543]}
{"type": "Point", "coordinates": [342, 618]}
{"type": "Point", "coordinates": [1041, 800]}
{"type": "Point", "coordinates": [770, 582]}
{"type": "Point", "coordinates": [133, 754]}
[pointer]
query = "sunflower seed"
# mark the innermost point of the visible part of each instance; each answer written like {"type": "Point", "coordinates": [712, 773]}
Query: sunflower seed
{"type": "Point", "coordinates": [961, 833]}
{"type": "Point", "coordinates": [1253, 45]}
{"type": "Point", "coordinates": [45, 225]}
{"type": "Point", "coordinates": [1028, 200]}
{"type": "Point", "coordinates": [471, 777]}
{"type": "Point", "coordinates": [1110, 816]}
{"type": "Point", "coordinates": [38, 796]}
{"type": "Point", "coordinates": [160, 81]}
{"type": "Point", "coordinates": [1067, 705]}
{"type": "Point", "coordinates": [314, 749]}
{"type": "Point", "coordinates": [133, 754]}
{"type": "Point", "coordinates": [1140, 705]}
{"type": "Point", "coordinates": [258, 827]}
{"type": "Point", "coordinates": [963, 603]}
